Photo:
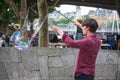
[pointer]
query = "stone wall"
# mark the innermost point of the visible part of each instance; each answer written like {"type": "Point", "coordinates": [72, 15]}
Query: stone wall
{"type": "Point", "coordinates": [53, 64]}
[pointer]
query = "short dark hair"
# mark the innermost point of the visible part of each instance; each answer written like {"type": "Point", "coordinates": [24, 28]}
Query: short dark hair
{"type": "Point", "coordinates": [91, 23]}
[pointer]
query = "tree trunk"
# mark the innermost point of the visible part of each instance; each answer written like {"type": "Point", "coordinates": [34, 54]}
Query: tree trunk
{"type": "Point", "coordinates": [22, 14]}
{"type": "Point", "coordinates": [118, 13]}
{"type": "Point", "coordinates": [43, 33]}
{"type": "Point", "coordinates": [117, 5]}
{"type": "Point", "coordinates": [23, 11]}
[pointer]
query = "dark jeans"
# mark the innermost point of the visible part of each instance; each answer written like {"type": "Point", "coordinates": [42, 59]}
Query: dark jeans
{"type": "Point", "coordinates": [81, 76]}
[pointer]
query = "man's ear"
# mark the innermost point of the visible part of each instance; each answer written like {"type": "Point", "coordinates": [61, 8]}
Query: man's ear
{"type": "Point", "coordinates": [88, 28]}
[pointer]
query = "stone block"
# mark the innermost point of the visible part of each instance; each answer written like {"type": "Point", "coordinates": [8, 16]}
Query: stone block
{"type": "Point", "coordinates": [3, 72]}
{"type": "Point", "coordinates": [57, 74]}
{"type": "Point", "coordinates": [30, 59]}
{"type": "Point", "coordinates": [100, 75]}
{"type": "Point", "coordinates": [102, 57]}
{"type": "Point", "coordinates": [13, 70]}
{"type": "Point", "coordinates": [68, 59]}
{"type": "Point", "coordinates": [10, 55]}
{"type": "Point", "coordinates": [41, 51]}
{"type": "Point", "coordinates": [100, 67]}
{"type": "Point", "coordinates": [112, 58]}
{"type": "Point", "coordinates": [43, 67]}
{"type": "Point", "coordinates": [69, 72]}
{"type": "Point", "coordinates": [25, 74]}
{"type": "Point", "coordinates": [53, 51]}
{"type": "Point", "coordinates": [111, 71]}
{"type": "Point", "coordinates": [55, 61]}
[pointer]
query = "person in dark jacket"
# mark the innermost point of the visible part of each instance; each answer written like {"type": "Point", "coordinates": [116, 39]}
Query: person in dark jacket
{"type": "Point", "coordinates": [55, 39]}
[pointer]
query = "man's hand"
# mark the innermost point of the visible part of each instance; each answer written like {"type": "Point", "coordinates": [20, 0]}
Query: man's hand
{"type": "Point", "coordinates": [55, 28]}
{"type": "Point", "coordinates": [77, 24]}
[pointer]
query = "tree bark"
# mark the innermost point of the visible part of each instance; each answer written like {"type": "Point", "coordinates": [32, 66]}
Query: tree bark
{"type": "Point", "coordinates": [43, 33]}
{"type": "Point", "coordinates": [23, 11]}
{"type": "Point", "coordinates": [22, 14]}
{"type": "Point", "coordinates": [117, 5]}
{"type": "Point", "coordinates": [43, 7]}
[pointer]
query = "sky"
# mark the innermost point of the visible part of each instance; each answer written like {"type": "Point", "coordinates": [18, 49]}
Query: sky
{"type": "Point", "coordinates": [70, 8]}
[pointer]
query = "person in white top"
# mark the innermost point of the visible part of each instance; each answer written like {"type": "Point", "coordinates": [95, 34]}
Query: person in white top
{"type": "Point", "coordinates": [1, 42]}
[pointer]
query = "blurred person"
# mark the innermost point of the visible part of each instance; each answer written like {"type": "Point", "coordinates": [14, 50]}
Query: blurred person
{"type": "Point", "coordinates": [1, 42]}
{"type": "Point", "coordinates": [119, 44]}
{"type": "Point", "coordinates": [7, 41]}
{"type": "Point", "coordinates": [35, 42]}
{"type": "Point", "coordinates": [55, 39]}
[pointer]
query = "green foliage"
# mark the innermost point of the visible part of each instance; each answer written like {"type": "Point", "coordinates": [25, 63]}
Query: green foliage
{"type": "Point", "coordinates": [7, 15]}
{"type": "Point", "coordinates": [115, 25]}
{"type": "Point", "coordinates": [65, 20]}
{"type": "Point", "coordinates": [62, 21]}
{"type": "Point", "coordinates": [109, 24]}
{"type": "Point", "coordinates": [53, 9]}
{"type": "Point", "coordinates": [85, 17]}
{"type": "Point", "coordinates": [52, 21]}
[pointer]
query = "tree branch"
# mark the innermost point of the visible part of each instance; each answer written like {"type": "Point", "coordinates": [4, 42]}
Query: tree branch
{"type": "Point", "coordinates": [23, 7]}
{"type": "Point", "coordinates": [53, 3]}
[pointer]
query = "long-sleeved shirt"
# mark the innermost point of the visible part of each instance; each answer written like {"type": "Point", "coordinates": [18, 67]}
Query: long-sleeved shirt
{"type": "Point", "coordinates": [86, 58]}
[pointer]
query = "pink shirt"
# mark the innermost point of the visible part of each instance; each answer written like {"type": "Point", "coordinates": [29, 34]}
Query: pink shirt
{"type": "Point", "coordinates": [89, 47]}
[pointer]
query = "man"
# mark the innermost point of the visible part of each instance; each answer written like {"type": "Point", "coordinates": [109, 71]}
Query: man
{"type": "Point", "coordinates": [89, 47]}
